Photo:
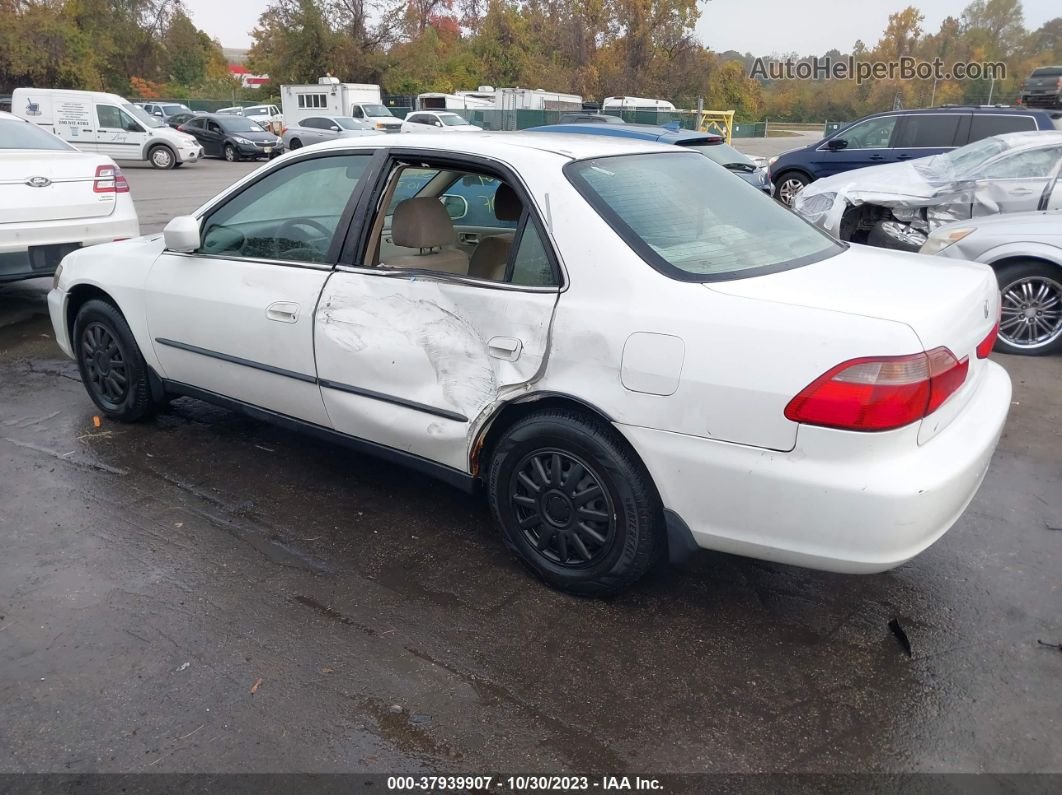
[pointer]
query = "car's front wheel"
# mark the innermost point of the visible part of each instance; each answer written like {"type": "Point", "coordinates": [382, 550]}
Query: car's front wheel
{"type": "Point", "coordinates": [295, 144]}
{"type": "Point", "coordinates": [788, 184]}
{"type": "Point", "coordinates": [230, 153]}
{"type": "Point", "coordinates": [162, 157]}
{"type": "Point", "coordinates": [575, 504]}
{"type": "Point", "coordinates": [1031, 318]}
{"type": "Point", "coordinates": [112, 368]}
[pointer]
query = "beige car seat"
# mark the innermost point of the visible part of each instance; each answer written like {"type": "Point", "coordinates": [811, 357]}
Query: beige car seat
{"type": "Point", "coordinates": [424, 224]}
{"type": "Point", "coordinates": [492, 254]}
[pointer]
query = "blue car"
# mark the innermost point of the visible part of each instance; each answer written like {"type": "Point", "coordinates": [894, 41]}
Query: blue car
{"type": "Point", "coordinates": [711, 146]}
{"type": "Point", "coordinates": [899, 135]}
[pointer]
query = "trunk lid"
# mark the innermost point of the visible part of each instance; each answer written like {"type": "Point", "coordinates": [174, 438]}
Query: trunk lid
{"type": "Point", "coordinates": [946, 303]}
{"type": "Point", "coordinates": [67, 194]}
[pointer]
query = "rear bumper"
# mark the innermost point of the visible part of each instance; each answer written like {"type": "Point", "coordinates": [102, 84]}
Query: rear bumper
{"type": "Point", "coordinates": [840, 501]}
{"type": "Point", "coordinates": [17, 239]}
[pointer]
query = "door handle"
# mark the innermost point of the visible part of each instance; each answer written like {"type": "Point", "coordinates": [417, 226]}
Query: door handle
{"type": "Point", "coordinates": [283, 311]}
{"type": "Point", "coordinates": [903, 157]}
{"type": "Point", "coordinates": [508, 349]}
{"type": "Point", "coordinates": [876, 157]}
{"type": "Point", "coordinates": [468, 237]}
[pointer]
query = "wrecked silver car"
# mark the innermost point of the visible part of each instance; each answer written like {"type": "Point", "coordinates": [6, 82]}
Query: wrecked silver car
{"type": "Point", "coordinates": [899, 204]}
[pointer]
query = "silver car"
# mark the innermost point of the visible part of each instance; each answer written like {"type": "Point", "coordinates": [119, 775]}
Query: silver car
{"type": "Point", "coordinates": [1025, 250]}
{"type": "Point", "coordinates": [897, 205]}
{"type": "Point", "coordinates": [315, 129]}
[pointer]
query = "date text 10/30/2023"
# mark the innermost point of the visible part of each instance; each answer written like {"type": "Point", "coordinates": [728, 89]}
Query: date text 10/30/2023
{"type": "Point", "coordinates": [400, 784]}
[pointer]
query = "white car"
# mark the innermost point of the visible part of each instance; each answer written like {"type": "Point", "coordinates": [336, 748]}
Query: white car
{"type": "Point", "coordinates": [634, 353]}
{"type": "Point", "coordinates": [263, 114]}
{"type": "Point", "coordinates": [437, 121]}
{"type": "Point", "coordinates": [54, 199]}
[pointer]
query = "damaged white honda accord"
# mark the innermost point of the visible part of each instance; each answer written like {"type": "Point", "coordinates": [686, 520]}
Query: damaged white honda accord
{"type": "Point", "coordinates": [631, 352]}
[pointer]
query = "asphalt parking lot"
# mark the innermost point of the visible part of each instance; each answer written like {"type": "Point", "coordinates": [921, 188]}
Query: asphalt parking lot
{"type": "Point", "coordinates": [207, 593]}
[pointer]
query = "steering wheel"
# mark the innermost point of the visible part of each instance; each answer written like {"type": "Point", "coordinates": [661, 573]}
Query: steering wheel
{"type": "Point", "coordinates": [305, 246]}
{"type": "Point", "coordinates": [289, 226]}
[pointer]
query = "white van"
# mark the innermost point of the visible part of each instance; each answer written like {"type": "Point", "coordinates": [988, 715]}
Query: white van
{"type": "Point", "coordinates": [105, 124]}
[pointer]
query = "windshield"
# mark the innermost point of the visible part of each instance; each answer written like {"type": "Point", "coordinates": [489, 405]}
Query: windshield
{"type": "Point", "coordinates": [693, 221]}
{"type": "Point", "coordinates": [375, 110]}
{"type": "Point", "coordinates": [347, 123]}
{"type": "Point", "coordinates": [724, 155]}
{"type": "Point", "coordinates": [452, 120]}
{"type": "Point", "coordinates": [142, 116]}
{"type": "Point", "coordinates": [960, 162]}
{"type": "Point", "coordinates": [171, 110]}
{"type": "Point", "coordinates": [238, 124]}
{"type": "Point", "coordinates": [23, 135]}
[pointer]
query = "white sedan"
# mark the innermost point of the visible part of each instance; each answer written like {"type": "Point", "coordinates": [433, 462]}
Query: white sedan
{"type": "Point", "coordinates": [437, 122]}
{"type": "Point", "coordinates": [54, 199]}
{"type": "Point", "coordinates": [633, 353]}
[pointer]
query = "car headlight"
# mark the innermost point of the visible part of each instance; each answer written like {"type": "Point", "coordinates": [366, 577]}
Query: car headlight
{"type": "Point", "coordinates": [239, 140]}
{"type": "Point", "coordinates": [815, 205]}
{"type": "Point", "coordinates": [943, 237]}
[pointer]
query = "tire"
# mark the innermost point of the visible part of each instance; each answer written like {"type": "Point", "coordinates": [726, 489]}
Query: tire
{"type": "Point", "coordinates": [1031, 321]}
{"type": "Point", "coordinates": [162, 158]}
{"type": "Point", "coordinates": [295, 144]}
{"type": "Point", "coordinates": [107, 354]}
{"type": "Point", "coordinates": [230, 153]}
{"type": "Point", "coordinates": [788, 184]}
{"type": "Point", "coordinates": [592, 536]}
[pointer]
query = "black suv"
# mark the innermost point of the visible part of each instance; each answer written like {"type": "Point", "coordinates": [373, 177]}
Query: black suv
{"type": "Point", "coordinates": [900, 135]}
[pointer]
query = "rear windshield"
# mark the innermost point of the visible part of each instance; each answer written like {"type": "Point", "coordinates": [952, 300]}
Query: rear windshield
{"type": "Point", "coordinates": [23, 135]}
{"type": "Point", "coordinates": [694, 221]}
{"type": "Point", "coordinates": [1047, 71]}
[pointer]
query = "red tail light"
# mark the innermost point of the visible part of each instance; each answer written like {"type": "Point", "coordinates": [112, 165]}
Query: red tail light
{"type": "Point", "coordinates": [109, 179]}
{"type": "Point", "coordinates": [985, 346]}
{"type": "Point", "coordinates": [880, 393]}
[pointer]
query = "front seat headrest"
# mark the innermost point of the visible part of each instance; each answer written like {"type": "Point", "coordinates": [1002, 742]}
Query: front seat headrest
{"type": "Point", "coordinates": [507, 205]}
{"type": "Point", "coordinates": [421, 223]}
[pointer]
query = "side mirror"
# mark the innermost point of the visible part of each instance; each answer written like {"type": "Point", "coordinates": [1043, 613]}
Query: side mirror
{"type": "Point", "coordinates": [437, 123]}
{"type": "Point", "coordinates": [334, 128]}
{"type": "Point", "coordinates": [182, 234]}
{"type": "Point", "coordinates": [456, 206]}
{"type": "Point", "coordinates": [836, 144]}
{"type": "Point", "coordinates": [158, 113]}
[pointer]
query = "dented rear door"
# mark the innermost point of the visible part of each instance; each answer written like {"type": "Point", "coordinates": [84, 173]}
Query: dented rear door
{"type": "Point", "coordinates": [416, 361]}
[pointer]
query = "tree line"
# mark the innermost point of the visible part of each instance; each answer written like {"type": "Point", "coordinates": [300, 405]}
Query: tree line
{"type": "Point", "coordinates": [595, 48]}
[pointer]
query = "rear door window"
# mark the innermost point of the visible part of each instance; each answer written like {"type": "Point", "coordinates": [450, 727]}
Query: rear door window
{"type": "Point", "coordinates": [928, 131]}
{"type": "Point", "coordinates": [988, 124]}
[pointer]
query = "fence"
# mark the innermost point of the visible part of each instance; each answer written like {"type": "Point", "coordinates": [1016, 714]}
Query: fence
{"type": "Point", "coordinates": [492, 119]}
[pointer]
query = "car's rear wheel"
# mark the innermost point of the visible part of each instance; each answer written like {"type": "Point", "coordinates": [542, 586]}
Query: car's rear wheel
{"type": "Point", "coordinates": [112, 368]}
{"type": "Point", "coordinates": [575, 504]}
{"type": "Point", "coordinates": [788, 184]}
{"type": "Point", "coordinates": [162, 157]}
{"type": "Point", "coordinates": [230, 153]}
{"type": "Point", "coordinates": [295, 144]}
{"type": "Point", "coordinates": [1031, 318]}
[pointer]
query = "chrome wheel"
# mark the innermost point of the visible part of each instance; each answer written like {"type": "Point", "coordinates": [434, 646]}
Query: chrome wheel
{"type": "Point", "coordinates": [230, 153]}
{"type": "Point", "coordinates": [563, 510]}
{"type": "Point", "coordinates": [788, 188]}
{"type": "Point", "coordinates": [1031, 313]}
{"type": "Point", "coordinates": [161, 157]}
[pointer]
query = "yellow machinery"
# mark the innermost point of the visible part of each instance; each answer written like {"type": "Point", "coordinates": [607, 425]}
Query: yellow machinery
{"type": "Point", "coordinates": [720, 122]}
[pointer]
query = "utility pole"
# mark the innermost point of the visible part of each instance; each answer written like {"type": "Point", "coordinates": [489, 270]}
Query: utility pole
{"type": "Point", "coordinates": [991, 89]}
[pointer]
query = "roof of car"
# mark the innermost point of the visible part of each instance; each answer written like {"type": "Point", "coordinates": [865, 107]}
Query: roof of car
{"type": "Point", "coordinates": [1003, 110]}
{"type": "Point", "coordinates": [644, 132]}
{"type": "Point", "coordinates": [1031, 138]}
{"type": "Point", "coordinates": [503, 144]}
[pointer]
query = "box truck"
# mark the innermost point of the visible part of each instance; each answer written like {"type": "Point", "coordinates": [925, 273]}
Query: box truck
{"type": "Point", "coordinates": [329, 97]}
{"type": "Point", "coordinates": [106, 124]}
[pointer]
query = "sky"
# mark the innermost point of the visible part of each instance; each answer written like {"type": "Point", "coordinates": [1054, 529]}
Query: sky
{"type": "Point", "coordinates": [762, 27]}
